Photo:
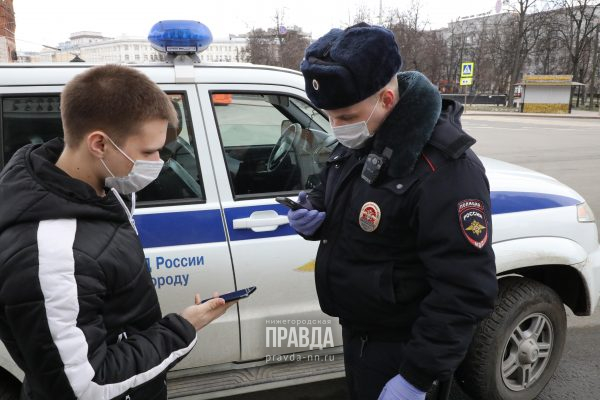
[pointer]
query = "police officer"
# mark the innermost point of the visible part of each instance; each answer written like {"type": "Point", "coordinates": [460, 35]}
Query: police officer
{"type": "Point", "coordinates": [402, 214]}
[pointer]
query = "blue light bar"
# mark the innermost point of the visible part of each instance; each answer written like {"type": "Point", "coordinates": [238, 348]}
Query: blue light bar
{"type": "Point", "coordinates": [180, 37]}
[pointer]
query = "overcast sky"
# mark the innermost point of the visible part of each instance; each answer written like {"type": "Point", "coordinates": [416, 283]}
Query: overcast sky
{"type": "Point", "coordinates": [51, 22]}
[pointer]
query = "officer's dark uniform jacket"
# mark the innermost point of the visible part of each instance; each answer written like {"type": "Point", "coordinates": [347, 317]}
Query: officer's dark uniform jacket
{"type": "Point", "coordinates": [426, 273]}
{"type": "Point", "coordinates": [78, 310]}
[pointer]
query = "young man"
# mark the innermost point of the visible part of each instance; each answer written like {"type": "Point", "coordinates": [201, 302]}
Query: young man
{"type": "Point", "coordinates": [403, 215]}
{"type": "Point", "coordinates": [78, 311]}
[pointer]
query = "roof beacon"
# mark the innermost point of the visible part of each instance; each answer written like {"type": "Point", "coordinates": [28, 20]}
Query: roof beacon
{"type": "Point", "coordinates": [180, 39]}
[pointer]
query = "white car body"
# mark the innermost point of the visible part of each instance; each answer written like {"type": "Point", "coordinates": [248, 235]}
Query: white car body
{"type": "Point", "coordinates": [546, 234]}
{"type": "Point", "coordinates": [535, 226]}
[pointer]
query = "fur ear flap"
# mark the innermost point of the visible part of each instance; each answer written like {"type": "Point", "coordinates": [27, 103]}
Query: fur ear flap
{"type": "Point", "coordinates": [409, 126]}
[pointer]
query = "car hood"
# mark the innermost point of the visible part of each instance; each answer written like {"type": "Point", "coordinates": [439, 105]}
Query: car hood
{"type": "Point", "coordinates": [514, 188]}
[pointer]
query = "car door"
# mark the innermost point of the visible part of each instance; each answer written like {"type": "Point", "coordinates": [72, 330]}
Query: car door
{"type": "Point", "coordinates": [178, 216]}
{"type": "Point", "coordinates": [267, 142]}
{"type": "Point", "coordinates": [182, 230]}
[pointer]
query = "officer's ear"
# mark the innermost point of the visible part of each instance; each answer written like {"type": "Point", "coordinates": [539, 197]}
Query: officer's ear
{"type": "Point", "coordinates": [389, 98]}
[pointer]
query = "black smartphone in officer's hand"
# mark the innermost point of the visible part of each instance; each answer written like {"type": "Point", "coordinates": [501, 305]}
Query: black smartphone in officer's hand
{"type": "Point", "coordinates": [233, 296]}
{"type": "Point", "coordinates": [289, 203]}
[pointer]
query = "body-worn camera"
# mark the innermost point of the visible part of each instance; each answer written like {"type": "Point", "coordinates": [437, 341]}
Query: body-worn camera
{"type": "Point", "coordinates": [374, 165]}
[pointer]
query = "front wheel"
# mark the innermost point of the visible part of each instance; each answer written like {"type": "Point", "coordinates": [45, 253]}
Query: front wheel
{"type": "Point", "coordinates": [516, 350]}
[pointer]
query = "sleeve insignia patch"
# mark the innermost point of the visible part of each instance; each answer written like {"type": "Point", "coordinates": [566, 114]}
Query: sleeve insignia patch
{"type": "Point", "coordinates": [473, 222]}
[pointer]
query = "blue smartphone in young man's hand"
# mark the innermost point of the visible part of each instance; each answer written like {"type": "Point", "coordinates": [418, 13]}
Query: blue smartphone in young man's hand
{"type": "Point", "coordinates": [237, 295]}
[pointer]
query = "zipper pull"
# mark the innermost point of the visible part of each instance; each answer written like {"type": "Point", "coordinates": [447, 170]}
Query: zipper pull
{"type": "Point", "coordinates": [363, 342]}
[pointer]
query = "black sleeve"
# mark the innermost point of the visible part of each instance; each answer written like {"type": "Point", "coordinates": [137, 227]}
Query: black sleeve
{"type": "Point", "coordinates": [61, 339]}
{"type": "Point", "coordinates": [452, 218]}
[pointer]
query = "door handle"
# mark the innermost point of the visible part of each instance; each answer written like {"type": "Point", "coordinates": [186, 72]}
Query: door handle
{"type": "Point", "coordinates": [261, 221]}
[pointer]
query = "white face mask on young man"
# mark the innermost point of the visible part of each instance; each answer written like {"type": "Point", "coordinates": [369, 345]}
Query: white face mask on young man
{"type": "Point", "coordinates": [141, 175]}
{"type": "Point", "coordinates": [354, 135]}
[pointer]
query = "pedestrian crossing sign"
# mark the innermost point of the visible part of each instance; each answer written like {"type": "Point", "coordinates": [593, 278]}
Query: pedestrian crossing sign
{"type": "Point", "coordinates": [467, 70]}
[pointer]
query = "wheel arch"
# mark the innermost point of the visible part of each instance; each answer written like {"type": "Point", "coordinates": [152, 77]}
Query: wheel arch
{"type": "Point", "coordinates": [551, 261]}
{"type": "Point", "coordinates": [565, 280]}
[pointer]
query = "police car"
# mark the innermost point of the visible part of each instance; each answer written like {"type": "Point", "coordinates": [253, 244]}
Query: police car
{"type": "Point", "coordinates": [210, 222]}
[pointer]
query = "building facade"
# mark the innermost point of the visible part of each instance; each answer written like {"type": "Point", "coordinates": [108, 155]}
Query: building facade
{"type": "Point", "coordinates": [93, 47]}
{"type": "Point", "coordinates": [8, 49]}
{"type": "Point", "coordinates": [231, 49]}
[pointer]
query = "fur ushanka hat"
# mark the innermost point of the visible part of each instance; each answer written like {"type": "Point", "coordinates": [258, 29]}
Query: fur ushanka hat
{"type": "Point", "coordinates": [345, 67]}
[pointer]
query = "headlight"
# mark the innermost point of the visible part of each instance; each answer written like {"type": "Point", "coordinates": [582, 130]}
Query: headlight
{"type": "Point", "coordinates": [584, 213]}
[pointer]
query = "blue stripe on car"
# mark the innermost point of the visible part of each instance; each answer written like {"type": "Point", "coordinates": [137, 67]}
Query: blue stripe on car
{"type": "Point", "coordinates": [206, 226]}
{"type": "Point", "coordinates": [179, 228]}
{"type": "Point", "coordinates": [510, 202]}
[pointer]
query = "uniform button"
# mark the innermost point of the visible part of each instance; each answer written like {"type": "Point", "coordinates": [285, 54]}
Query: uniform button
{"type": "Point", "coordinates": [399, 186]}
{"type": "Point", "coordinates": [337, 165]}
{"type": "Point", "coordinates": [324, 241]}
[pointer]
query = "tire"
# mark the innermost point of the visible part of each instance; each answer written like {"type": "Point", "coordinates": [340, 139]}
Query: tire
{"type": "Point", "coordinates": [10, 388]}
{"type": "Point", "coordinates": [516, 350]}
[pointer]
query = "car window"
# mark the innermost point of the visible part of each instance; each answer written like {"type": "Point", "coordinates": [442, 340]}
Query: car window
{"type": "Point", "coordinates": [180, 178]}
{"type": "Point", "coordinates": [36, 119]}
{"type": "Point", "coordinates": [31, 119]}
{"type": "Point", "coordinates": [272, 143]}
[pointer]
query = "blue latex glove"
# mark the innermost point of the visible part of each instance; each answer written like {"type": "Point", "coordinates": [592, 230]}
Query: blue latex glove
{"type": "Point", "coordinates": [398, 388]}
{"type": "Point", "coordinates": [305, 220]}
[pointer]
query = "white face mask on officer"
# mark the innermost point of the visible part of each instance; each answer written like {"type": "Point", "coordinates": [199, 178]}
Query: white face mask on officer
{"type": "Point", "coordinates": [141, 175]}
{"type": "Point", "coordinates": [354, 135]}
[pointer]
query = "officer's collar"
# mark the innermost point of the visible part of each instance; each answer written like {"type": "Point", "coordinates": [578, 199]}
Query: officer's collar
{"type": "Point", "coordinates": [409, 126]}
{"type": "Point", "coordinates": [448, 136]}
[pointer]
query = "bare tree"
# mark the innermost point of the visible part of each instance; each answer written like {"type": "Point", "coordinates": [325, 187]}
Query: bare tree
{"type": "Point", "coordinates": [456, 44]}
{"type": "Point", "coordinates": [547, 52]}
{"type": "Point", "coordinates": [525, 24]}
{"type": "Point", "coordinates": [433, 54]}
{"type": "Point", "coordinates": [291, 50]}
{"type": "Point", "coordinates": [500, 45]}
{"type": "Point", "coordinates": [409, 29]}
{"type": "Point", "coordinates": [363, 14]}
{"type": "Point", "coordinates": [576, 30]}
{"type": "Point", "coordinates": [261, 47]}
{"type": "Point", "coordinates": [278, 46]}
{"type": "Point", "coordinates": [595, 62]}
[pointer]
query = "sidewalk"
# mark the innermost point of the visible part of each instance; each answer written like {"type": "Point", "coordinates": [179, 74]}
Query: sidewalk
{"type": "Point", "coordinates": [578, 114]}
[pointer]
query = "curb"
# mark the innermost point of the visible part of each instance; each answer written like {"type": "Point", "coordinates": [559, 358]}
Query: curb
{"type": "Point", "coordinates": [504, 114]}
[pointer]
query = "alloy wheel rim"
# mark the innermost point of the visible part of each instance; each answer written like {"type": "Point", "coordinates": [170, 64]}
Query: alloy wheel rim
{"type": "Point", "coordinates": [527, 352]}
